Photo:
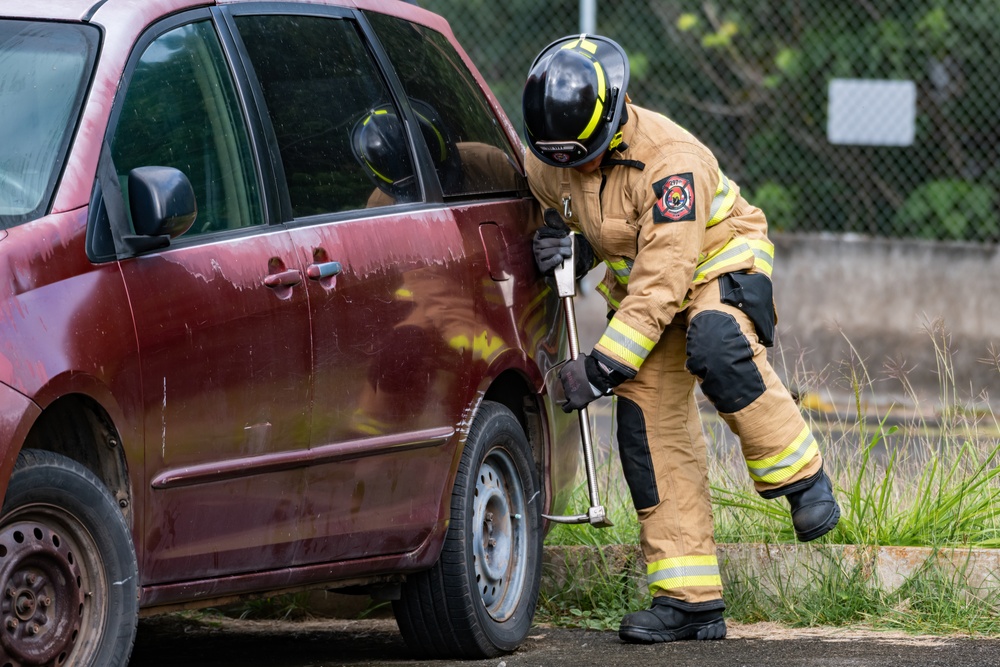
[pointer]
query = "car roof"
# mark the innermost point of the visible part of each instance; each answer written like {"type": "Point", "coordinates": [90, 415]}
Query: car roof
{"type": "Point", "coordinates": [101, 10]}
{"type": "Point", "coordinates": [82, 10]}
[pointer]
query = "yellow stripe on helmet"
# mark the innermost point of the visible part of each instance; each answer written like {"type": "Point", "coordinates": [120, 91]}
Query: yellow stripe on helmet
{"type": "Point", "coordinates": [584, 44]}
{"type": "Point", "coordinates": [442, 145]}
{"type": "Point", "coordinates": [598, 105]}
{"type": "Point", "coordinates": [382, 177]}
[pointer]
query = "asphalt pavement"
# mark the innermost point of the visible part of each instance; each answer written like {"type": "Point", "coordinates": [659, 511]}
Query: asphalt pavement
{"type": "Point", "coordinates": [197, 641]}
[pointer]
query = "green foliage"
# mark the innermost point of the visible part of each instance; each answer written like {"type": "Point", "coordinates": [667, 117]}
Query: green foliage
{"type": "Point", "coordinates": [595, 598]}
{"type": "Point", "coordinates": [750, 79]}
{"type": "Point", "coordinates": [781, 204]}
{"type": "Point", "coordinates": [827, 593]}
{"type": "Point", "coordinates": [950, 209]}
{"type": "Point", "coordinates": [936, 602]}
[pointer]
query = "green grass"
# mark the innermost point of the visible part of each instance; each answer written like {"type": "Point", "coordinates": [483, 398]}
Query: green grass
{"type": "Point", "coordinates": [903, 478]}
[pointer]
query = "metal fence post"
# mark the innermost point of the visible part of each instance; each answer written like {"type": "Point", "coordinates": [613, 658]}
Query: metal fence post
{"type": "Point", "coordinates": [588, 16]}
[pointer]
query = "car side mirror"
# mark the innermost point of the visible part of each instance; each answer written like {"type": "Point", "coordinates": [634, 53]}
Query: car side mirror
{"type": "Point", "coordinates": [163, 207]}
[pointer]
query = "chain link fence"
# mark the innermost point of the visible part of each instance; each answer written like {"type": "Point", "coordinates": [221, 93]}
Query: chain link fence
{"type": "Point", "coordinates": [875, 117]}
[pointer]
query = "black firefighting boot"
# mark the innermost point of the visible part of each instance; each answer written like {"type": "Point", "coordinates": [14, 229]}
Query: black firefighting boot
{"type": "Point", "coordinates": [814, 509]}
{"type": "Point", "coordinates": [668, 620]}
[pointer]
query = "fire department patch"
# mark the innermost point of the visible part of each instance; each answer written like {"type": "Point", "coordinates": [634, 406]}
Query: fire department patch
{"type": "Point", "coordinates": [674, 198]}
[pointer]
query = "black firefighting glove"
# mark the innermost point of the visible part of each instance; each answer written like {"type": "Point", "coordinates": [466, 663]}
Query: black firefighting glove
{"type": "Point", "coordinates": [586, 379]}
{"type": "Point", "coordinates": [552, 243]}
{"type": "Point", "coordinates": [552, 246]}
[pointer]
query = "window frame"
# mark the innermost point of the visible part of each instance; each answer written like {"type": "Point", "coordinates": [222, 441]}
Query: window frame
{"type": "Point", "coordinates": [259, 168]}
{"type": "Point", "coordinates": [429, 187]}
{"type": "Point", "coordinates": [515, 151]}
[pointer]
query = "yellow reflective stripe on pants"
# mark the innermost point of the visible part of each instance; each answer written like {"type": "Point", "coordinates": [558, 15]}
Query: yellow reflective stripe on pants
{"type": "Point", "coordinates": [683, 572]}
{"type": "Point", "coordinates": [626, 343]}
{"type": "Point", "coordinates": [722, 203]}
{"type": "Point", "coordinates": [735, 254]}
{"type": "Point", "coordinates": [781, 466]}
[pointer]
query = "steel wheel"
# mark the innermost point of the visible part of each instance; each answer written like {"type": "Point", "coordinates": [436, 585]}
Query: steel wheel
{"type": "Point", "coordinates": [67, 569]}
{"type": "Point", "coordinates": [479, 599]}
{"type": "Point", "coordinates": [499, 542]}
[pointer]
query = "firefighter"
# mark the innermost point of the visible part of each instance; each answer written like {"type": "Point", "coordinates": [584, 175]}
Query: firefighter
{"type": "Point", "coordinates": [688, 286]}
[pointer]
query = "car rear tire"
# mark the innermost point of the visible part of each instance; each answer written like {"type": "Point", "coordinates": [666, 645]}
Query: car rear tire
{"type": "Point", "coordinates": [479, 599]}
{"type": "Point", "coordinates": [68, 575]}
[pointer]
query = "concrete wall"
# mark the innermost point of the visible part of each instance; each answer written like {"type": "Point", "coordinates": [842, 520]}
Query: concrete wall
{"type": "Point", "coordinates": [895, 302]}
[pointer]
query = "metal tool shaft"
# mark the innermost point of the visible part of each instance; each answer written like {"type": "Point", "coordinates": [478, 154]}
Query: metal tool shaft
{"type": "Point", "coordinates": [584, 415]}
{"type": "Point", "coordinates": [595, 516]}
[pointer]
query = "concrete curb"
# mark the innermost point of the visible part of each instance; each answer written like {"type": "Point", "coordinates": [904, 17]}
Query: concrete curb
{"type": "Point", "coordinates": [571, 572]}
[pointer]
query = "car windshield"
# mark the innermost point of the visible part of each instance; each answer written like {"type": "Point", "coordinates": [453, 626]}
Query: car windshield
{"type": "Point", "coordinates": [44, 70]}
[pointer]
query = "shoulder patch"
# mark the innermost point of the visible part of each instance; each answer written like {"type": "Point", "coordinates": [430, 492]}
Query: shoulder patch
{"type": "Point", "coordinates": [674, 198]}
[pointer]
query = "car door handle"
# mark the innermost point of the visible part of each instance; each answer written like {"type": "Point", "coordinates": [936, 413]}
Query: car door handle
{"type": "Point", "coordinates": [289, 278]}
{"type": "Point", "coordinates": [323, 270]}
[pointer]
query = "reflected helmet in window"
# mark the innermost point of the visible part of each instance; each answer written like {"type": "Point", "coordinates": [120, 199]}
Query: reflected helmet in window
{"type": "Point", "coordinates": [379, 145]}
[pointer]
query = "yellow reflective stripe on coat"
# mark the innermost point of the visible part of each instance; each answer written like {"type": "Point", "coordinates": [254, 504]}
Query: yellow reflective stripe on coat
{"type": "Point", "coordinates": [722, 203]}
{"type": "Point", "coordinates": [622, 269]}
{"type": "Point", "coordinates": [603, 289]}
{"type": "Point", "coordinates": [683, 572]}
{"type": "Point", "coordinates": [626, 343]}
{"type": "Point", "coordinates": [734, 255]}
{"type": "Point", "coordinates": [782, 466]}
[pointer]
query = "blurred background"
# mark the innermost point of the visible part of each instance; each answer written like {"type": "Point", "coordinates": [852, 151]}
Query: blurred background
{"type": "Point", "coordinates": [908, 88]}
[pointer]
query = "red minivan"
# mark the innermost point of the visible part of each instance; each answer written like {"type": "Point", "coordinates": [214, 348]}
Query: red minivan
{"type": "Point", "coordinates": [269, 321]}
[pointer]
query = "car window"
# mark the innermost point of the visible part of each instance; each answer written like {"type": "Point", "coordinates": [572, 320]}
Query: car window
{"type": "Point", "coordinates": [434, 75]}
{"type": "Point", "coordinates": [44, 70]}
{"type": "Point", "coordinates": [342, 145]}
{"type": "Point", "coordinates": [181, 111]}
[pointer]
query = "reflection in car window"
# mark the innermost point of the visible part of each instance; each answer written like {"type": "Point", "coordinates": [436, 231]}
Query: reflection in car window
{"type": "Point", "coordinates": [181, 111]}
{"type": "Point", "coordinates": [44, 69]}
{"type": "Point", "coordinates": [434, 74]}
{"type": "Point", "coordinates": [325, 97]}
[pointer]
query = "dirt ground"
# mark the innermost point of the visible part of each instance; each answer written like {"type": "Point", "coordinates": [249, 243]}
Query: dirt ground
{"type": "Point", "coordinates": [202, 641]}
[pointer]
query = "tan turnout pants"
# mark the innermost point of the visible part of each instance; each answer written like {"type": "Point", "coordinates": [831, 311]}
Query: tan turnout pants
{"type": "Point", "coordinates": [663, 449]}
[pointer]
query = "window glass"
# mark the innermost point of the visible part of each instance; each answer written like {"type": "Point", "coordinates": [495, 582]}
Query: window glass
{"type": "Point", "coordinates": [435, 78]}
{"type": "Point", "coordinates": [181, 111]}
{"type": "Point", "coordinates": [44, 69]}
{"type": "Point", "coordinates": [341, 141]}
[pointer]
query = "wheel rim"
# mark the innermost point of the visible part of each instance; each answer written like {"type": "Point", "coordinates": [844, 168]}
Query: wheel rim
{"type": "Point", "coordinates": [500, 541]}
{"type": "Point", "coordinates": [51, 588]}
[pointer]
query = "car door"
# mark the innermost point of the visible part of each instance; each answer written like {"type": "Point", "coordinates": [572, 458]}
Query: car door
{"type": "Point", "coordinates": [222, 324]}
{"type": "Point", "coordinates": [391, 299]}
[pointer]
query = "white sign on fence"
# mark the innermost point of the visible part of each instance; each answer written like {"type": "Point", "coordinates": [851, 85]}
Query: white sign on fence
{"type": "Point", "coordinates": [871, 112]}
